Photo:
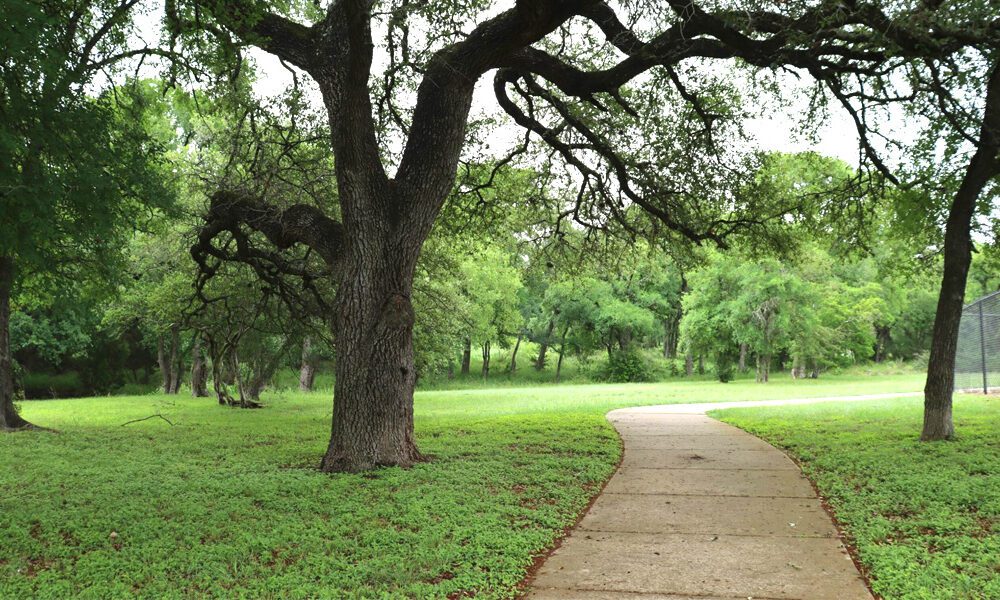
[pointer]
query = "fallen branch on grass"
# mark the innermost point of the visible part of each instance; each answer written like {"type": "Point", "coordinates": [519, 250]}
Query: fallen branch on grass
{"type": "Point", "coordinates": [147, 418]}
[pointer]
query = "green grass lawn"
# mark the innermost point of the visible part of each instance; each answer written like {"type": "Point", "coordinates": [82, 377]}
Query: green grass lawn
{"type": "Point", "coordinates": [924, 518]}
{"type": "Point", "coordinates": [227, 502]}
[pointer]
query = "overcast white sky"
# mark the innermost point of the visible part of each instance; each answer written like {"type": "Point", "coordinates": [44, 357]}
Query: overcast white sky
{"type": "Point", "coordinates": [836, 137]}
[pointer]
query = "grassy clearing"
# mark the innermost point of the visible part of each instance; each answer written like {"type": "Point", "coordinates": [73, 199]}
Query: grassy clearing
{"type": "Point", "coordinates": [226, 503]}
{"type": "Point", "coordinates": [925, 518]}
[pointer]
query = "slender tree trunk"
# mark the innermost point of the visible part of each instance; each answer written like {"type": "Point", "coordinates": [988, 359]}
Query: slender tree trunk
{"type": "Point", "coordinates": [513, 354]}
{"type": "Point", "coordinates": [199, 374]}
{"type": "Point", "coordinates": [176, 359]}
{"type": "Point", "coordinates": [165, 364]}
{"type": "Point", "coordinates": [689, 364]}
{"type": "Point", "coordinates": [245, 392]}
{"type": "Point", "coordinates": [9, 418]}
{"type": "Point", "coordinates": [543, 346]}
{"type": "Point", "coordinates": [562, 352]}
{"type": "Point", "coordinates": [798, 369]}
{"type": "Point", "coordinates": [763, 368]}
{"type": "Point", "coordinates": [675, 332]}
{"type": "Point", "coordinates": [262, 372]}
{"type": "Point", "coordinates": [307, 372]}
{"type": "Point", "coordinates": [701, 364]}
{"type": "Point", "coordinates": [743, 358]}
{"type": "Point", "coordinates": [624, 341]}
{"type": "Point", "coordinates": [882, 338]}
{"type": "Point", "coordinates": [217, 354]}
{"type": "Point", "coordinates": [985, 165]}
{"type": "Point", "coordinates": [486, 359]}
{"type": "Point", "coordinates": [466, 356]}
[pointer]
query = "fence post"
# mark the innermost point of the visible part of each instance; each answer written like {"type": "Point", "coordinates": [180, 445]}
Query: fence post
{"type": "Point", "coordinates": [982, 349]}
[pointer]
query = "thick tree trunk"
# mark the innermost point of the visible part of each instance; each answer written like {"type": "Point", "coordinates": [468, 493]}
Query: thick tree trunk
{"type": "Point", "coordinates": [689, 364]}
{"type": "Point", "coordinates": [985, 165]}
{"type": "Point", "coordinates": [307, 372]}
{"type": "Point", "coordinates": [375, 372]}
{"type": "Point", "coordinates": [9, 418]}
{"type": "Point", "coordinates": [467, 356]}
{"type": "Point", "coordinates": [543, 346]}
{"type": "Point", "coordinates": [199, 374]}
{"type": "Point", "coordinates": [743, 358]}
{"type": "Point", "coordinates": [513, 354]}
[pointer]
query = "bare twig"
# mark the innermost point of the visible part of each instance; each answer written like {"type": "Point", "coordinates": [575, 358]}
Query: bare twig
{"type": "Point", "coordinates": [157, 415]}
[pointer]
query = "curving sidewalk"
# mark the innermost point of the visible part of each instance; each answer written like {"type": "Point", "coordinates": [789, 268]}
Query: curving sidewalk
{"type": "Point", "coordinates": [702, 510]}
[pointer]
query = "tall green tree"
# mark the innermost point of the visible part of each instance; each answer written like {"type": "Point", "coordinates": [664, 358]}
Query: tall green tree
{"type": "Point", "coordinates": [77, 171]}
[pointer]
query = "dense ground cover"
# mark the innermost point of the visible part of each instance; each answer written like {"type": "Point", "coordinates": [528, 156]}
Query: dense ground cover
{"type": "Point", "coordinates": [228, 503]}
{"type": "Point", "coordinates": [924, 518]}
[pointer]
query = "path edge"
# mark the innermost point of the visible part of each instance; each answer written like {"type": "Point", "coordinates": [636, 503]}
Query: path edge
{"type": "Point", "coordinates": [524, 586]}
{"type": "Point", "coordinates": [845, 539]}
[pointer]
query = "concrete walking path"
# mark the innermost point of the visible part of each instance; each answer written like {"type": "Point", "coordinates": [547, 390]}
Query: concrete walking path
{"type": "Point", "coordinates": [702, 510]}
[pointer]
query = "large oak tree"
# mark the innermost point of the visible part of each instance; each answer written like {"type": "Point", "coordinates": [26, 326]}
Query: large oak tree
{"type": "Point", "coordinates": [623, 94]}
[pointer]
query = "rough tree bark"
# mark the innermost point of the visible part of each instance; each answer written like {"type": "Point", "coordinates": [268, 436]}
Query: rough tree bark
{"type": "Point", "coordinates": [373, 411]}
{"type": "Point", "coordinates": [743, 358]}
{"type": "Point", "coordinates": [543, 346]}
{"type": "Point", "coordinates": [9, 417]}
{"type": "Point", "coordinates": [984, 166]}
{"type": "Point", "coordinates": [199, 374]}
{"type": "Point", "coordinates": [307, 372]}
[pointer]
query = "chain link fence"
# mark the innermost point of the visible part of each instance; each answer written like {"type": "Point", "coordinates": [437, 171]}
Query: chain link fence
{"type": "Point", "coordinates": [977, 360]}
